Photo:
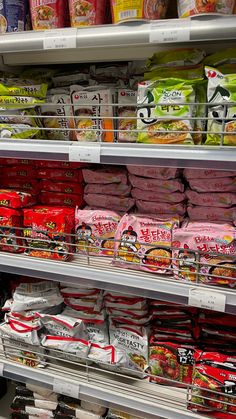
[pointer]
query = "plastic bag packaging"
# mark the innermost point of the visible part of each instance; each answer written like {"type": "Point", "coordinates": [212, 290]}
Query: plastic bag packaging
{"type": "Point", "coordinates": [156, 185]}
{"type": "Point", "coordinates": [127, 123]}
{"type": "Point", "coordinates": [105, 175]}
{"type": "Point", "coordinates": [10, 235]}
{"type": "Point", "coordinates": [115, 203]}
{"type": "Point", "coordinates": [16, 131]}
{"type": "Point", "coordinates": [149, 207]}
{"type": "Point", "coordinates": [163, 173]}
{"type": "Point", "coordinates": [15, 199]}
{"type": "Point", "coordinates": [23, 302]}
{"type": "Point", "coordinates": [118, 189]}
{"type": "Point", "coordinates": [66, 326]}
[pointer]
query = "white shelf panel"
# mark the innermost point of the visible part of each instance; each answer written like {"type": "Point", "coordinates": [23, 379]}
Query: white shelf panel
{"type": "Point", "coordinates": [110, 42]}
{"type": "Point", "coordinates": [118, 153]}
{"type": "Point", "coordinates": [98, 272]}
{"type": "Point", "coordinates": [141, 398]}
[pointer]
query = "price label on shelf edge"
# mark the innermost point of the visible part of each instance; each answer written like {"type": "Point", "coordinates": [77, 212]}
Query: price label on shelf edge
{"type": "Point", "coordinates": [88, 153]}
{"type": "Point", "coordinates": [60, 39]}
{"type": "Point", "coordinates": [165, 32]}
{"type": "Point", "coordinates": [68, 389]}
{"type": "Point", "coordinates": [207, 299]}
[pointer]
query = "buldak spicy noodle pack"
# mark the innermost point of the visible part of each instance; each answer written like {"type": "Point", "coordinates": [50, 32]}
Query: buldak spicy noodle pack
{"type": "Point", "coordinates": [144, 243]}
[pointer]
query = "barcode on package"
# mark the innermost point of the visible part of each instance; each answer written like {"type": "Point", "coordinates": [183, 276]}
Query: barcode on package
{"type": "Point", "coordinates": [127, 14]}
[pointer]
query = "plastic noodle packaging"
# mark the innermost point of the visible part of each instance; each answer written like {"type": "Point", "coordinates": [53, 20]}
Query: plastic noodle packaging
{"type": "Point", "coordinates": [160, 208]}
{"type": "Point", "coordinates": [194, 7]}
{"type": "Point", "coordinates": [163, 173]}
{"type": "Point", "coordinates": [87, 13]}
{"type": "Point", "coordinates": [10, 235]}
{"type": "Point", "coordinates": [16, 131]}
{"type": "Point", "coordinates": [66, 326]}
{"type": "Point", "coordinates": [156, 185]}
{"type": "Point", "coordinates": [95, 231]}
{"type": "Point", "coordinates": [61, 175]}
{"type": "Point", "coordinates": [212, 246]}
{"type": "Point", "coordinates": [62, 187]}
{"type": "Point", "coordinates": [74, 346]}
{"type": "Point", "coordinates": [224, 184]}
{"type": "Point", "coordinates": [21, 172]}
{"type": "Point", "coordinates": [119, 189]}
{"type": "Point", "coordinates": [123, 11]}
{"type": "Point", "coordinates": [15, 199]}
{"type": "Point", "coordinates": [61, 199]}
{"type": "Point", "coordinates": [127, 123]}
{"type": "Point", "coordinates": [110, 202]}
{"type": "Point", "coordinates": [223, 200]}
{"type": "Point", "coordinates": [35, 301]}
{"type": "Point", "coordinates": [207, 173]}
{"type": "Point", "coordinates": [48, 230]}
{"type": "Point", "coordinates": [152, 196]}
{"type": "Point", "coordinates": [211, 213]}
{"type": "Point", "coordinates": [105, 175]}
{"type": "Point", "coordinates": [60, 116]}
{"type": "Point", "coordinates": [48, 14]}
{"type": "Point", "coordinates": [144, 243]}
{"type": "Point", "coordinates": [30, 186]}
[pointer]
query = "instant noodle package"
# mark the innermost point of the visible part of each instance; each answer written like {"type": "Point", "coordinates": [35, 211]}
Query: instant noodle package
{"type": "Point", "coordinates": [123, 11]}
{"type": "Point", "coordinates": [48, 14]}
{"type": "Point", "coordinates": [207, 255]}
{"type": "Point", "coordinates": [194, 7]}
{"type": "Point", "coordinates": [144, 242]}
{"type": "Point", "coordinates": [87, 12]}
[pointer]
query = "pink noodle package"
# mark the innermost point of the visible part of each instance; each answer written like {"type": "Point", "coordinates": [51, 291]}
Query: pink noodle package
{"type": "Point", "coordinates": [160, 208]}
{"type": "Point", "coordinates": [207, 173]}
{"type": "Point", "coordinates": [95, 231]}
{"type": "Point", "coordinates": [156, 185]}
{"type": "Point", "coordinates": [143, 243]}
{"type": "Point", "coordinates": [225, 184]}
{"type": "Point", "coordinates": [212, 199]}
{"type": "Point", "coordinates": [105, 175]}
{"type": "Point", "coordinates": [162, 173]}
{"type": "Point", "coordinates": [109, 202]}
{"type": "Point", "coordinates": [211, 245]}
{"type": "Point", "coordinates": [119, 189]}
{"type": "Point", "coordinates": [211, 213]}
{"type": "Point", "coordinates": [152, 196]}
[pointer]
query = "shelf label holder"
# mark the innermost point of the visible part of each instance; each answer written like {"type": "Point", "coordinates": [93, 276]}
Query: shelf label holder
{"type": "Point", "coordinates": [68, 389]}
{"type": "Point", "coordinates": [85, 153]}
{"type": "Point", "coordinates": [210, 300]}
{"type": "Point", "coordinates": [176, 30]}
{"type": "Point", "coordinates": [60, 39]}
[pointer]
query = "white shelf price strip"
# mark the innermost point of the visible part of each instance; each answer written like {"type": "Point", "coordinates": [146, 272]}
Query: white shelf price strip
{"type": "Point", "coordinates": [58, 39]}
{"type": "Point", "coordinates": [207, 299]}
{"type": "Point", "coordinates": [67, 389]}
{"type": "Point", "coordinates": [163, 32]}
{"type": "Point", "coordinates": [86, 153]}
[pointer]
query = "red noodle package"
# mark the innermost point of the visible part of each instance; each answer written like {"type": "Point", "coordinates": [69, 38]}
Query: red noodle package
{"type": "Point", "coordinates": [214, 372]}
{"type": "Point", "coordinates": [15, 199]}
{"type": "Point", "coordinates": [31, 186]}
{"type": "Point", "coordinates": [61, 175]}
{"type": "Point", "coordinates": [46, 231]}
{"type": "Point", "coordinates": [9, 234]}
{"type": "Point", "coordinates": [59, 164]}
{"type": "Point", "coordinates": [52, 198]}
{"type": "Point", "coordinates": [62, 187]}
{"type": "Point", "coordinates": [95, 231]}
{"type": "Point", "coordinates": [19, 172]}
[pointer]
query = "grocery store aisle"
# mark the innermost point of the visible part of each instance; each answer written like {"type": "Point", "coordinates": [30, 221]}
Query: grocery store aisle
{"type": "Point", "coordinates": [6, 401]}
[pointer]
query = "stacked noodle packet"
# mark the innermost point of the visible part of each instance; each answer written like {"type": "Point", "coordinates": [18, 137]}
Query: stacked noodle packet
{"type": "Point", "coordinates": [157, 190]}
{"type": "Point", "coordinates": [211, 195]}
{"type": "Point", "coordinates": [107, 187]}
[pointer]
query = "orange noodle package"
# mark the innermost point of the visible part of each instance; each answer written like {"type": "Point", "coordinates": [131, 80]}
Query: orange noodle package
{"type": "Point", "coordinates": [47, 232]}
{"type": "Point", "coordinates": [48, 14]}
{"type": "Point", "coordinates": [10, 240]}
{"type": "Point", "coordinates": [87, 12]}
{"type": "Point", "coordinates": [123, 10]}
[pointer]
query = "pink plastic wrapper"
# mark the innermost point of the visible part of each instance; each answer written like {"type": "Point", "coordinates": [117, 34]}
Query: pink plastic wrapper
{"type": "Point", "coordinates": [174, 197]}
{"type": "Point", "coordinates": [224, 200]}
{"type": "Point", "coordinates": [105, 175]}
{"type": "Point", "coordinates": [213, 246]}
{"type": "Point", "coordinates": [207, 173]}
{"type": "Point", "coordinates": [225, 184]}
{"type": "Point", "coordinates": [156, 185]}
{"type": "Point", "coordinates": [109, 202]}
{"type": "Point", "coordinates": [211, 213]}
{"type": "Point", "coordinates": [163, 173]}
{"type": "Point", "coordinates": [143, 243]}
{"type": "Point", "coordinates": [147, 207]}
{"type": "Point", "coordinates": [95, 231]}
{"type": "Point", "coordinates": [119, 189]}
{"type": "Point", "coordinates": [87, 12]}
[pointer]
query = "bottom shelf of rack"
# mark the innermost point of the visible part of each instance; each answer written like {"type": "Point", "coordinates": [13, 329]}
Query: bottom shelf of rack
{"type": "Point", "coordinates": [131, 395]}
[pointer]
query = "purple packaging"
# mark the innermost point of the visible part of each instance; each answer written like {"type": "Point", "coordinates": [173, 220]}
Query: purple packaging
{"type": "Point", "coordinates": [13, 15]}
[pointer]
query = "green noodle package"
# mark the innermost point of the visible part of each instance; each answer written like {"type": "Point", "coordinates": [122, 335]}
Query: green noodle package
{"type": "Point", "coordinates": [19, 102]}
{"type": "Point", "coordinates": [182, 57]}
{"type": "Point", "coordinates": [21, 87]}
{"type": "Point", "coordinates": [17, 131]}
{"type": "Point", "coordinates": [221, 96]}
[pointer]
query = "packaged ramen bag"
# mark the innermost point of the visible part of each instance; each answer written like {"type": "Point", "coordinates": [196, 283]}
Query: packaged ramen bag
{"type": "Point", "coordinates": [62, 187]}
{"type": "Point", "coordinates": [59, 116]}
{"type": "Point", "coordinates": [61, 199]}
{"type": "Point", "coordinates": [221, 96]}
{"type": "Point", "coordinates": [207, 254]}
{"type": "Point", "coordinates": [143, 243]}
{"type": "Point", "coordinates": [95, 231]}
{"type": "Point", "coordinates": [214, 384]}
{"type": "Point", "coordinates": [17, 86]}
{"type": "Point", "coordinates": [127, 113]}
{"type": "Point", "coordinates": [176, 58]}
{"type": "Point", "coordinates": [10, 235]}
{"type": "Point", "coordinates": [165, 109]}
{"type": "Point", "coordinates": [170, 363]}
{"type": "Point", "coordinates": [47, 231]}
{"type": "Point", "coordinates": [16, 199]}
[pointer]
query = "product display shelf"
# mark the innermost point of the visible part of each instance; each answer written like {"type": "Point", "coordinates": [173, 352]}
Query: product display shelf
{"type": "Point", "coordinates": [222, 158]}
{"type": "Point", "coordinates": [127, 394]}
{"type": "Point", "coordinates": [112, 42]}
{"type": "Point", "coordinates": [99, 273]}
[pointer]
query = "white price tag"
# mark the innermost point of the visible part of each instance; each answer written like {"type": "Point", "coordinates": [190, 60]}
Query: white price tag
{"type": "Point", "coordinates": [165, 32]}
{"type": "Point", "coordinates": [86, 153]}
{"type": "Point", "coordinates": [60, 39]}
{"type": "Point", "coordinates": [207, 299]}
{"type": "Point", "coordinates": [1, 369]}
{"type": "Point", "coordinates": [68, 389]}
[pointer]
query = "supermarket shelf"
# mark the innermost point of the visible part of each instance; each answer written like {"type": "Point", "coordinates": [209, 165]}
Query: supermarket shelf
{"type": "Point", "coordinates": [98, 272]}
{"type": "Point", "coordinates": [132, 396]}
{"type": "Point", "coordinates": [111, 42]}
{"type": "Point", "coordinates": [143, 154]}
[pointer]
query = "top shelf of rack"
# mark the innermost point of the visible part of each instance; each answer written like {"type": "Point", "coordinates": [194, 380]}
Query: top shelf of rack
{"type": "Point", "coordinates": [130, 41]}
